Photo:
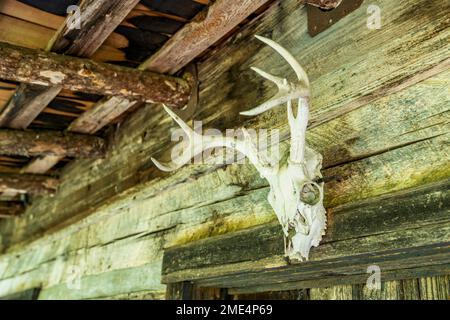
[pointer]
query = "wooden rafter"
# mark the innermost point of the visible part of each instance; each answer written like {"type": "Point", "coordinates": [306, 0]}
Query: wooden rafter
{"type": "Point", "coordinates": [26, 183]}
{"type": "Point", "coordinates": [37, 143]}
{"type": "Point", "coordinates": [29, 101]}
{"type": "Point", "coordinates": [26, 103]}
{"type": "Point", "coordinates": [77, 74]}
{"type": "Point", "coordinates": [95, 27]}
{"type": "Point", "coordinates": [198, 35]}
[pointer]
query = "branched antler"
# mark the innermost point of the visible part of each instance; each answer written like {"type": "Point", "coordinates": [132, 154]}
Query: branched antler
{"type": "Point", "coordinates": [199, 143]}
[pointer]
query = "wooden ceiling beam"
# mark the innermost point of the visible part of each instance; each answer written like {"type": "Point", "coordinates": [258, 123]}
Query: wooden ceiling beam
{"type": "Point", "coordinates": [198, 35]}
{"type": "Point", "coordinates": [77, 74]}
{"type": "Point", "coordinates": [29, 101]}
{"type": "Point", "coordinates": [99, 18]}
{"type": "Point", "coordinates": [28, 183]}
{"type": "Point", "coordinates": [37, 143]}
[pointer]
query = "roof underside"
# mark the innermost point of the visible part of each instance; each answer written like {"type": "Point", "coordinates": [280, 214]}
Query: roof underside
{"type": "Point", "coordinates": [35, 23]}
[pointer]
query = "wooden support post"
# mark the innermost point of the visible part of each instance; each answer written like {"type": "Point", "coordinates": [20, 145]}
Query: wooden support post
{"type": "Point", "coordinates": [27, 183]}
{"type": "Point", "coordinates": [76, 74]}
{"type": "Point", "coordinates": [38, 143]}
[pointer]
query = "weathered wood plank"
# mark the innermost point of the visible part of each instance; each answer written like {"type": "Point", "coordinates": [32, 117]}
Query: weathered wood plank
{"type": "Point", "coordinates": [102, 114]}
{"type": "Point", "coordinates": [95, 29]}
{"type": "Point", "coordinates": [414, 210]}
{"type": "Point", "coordinates": [38, 143]}
{"type": "Point", "coordinates": [32, 184]}
{"type": "Point", "coordinates": [435, 288]}
{"type": "Point", "coordinates": [409, 281]}
{"type": "Point", "coordinates": [197, 36]}
{"type": "Point", "coordinates": [344, 292]}
{"type": "Point", "coordinates": [76, 74]}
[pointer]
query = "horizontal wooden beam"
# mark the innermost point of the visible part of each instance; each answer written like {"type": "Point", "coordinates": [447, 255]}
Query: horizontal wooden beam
{"type": "Point", "coordinates": [27, 183]}
{"type": "Point", "coordinates": [76, 74]}
{"type": "Point", "coordinates": [29, 100]}
{"type": "Point", "coordinates": [408, 229]}
{"type": "Point", "coordinates": [197, 36]}
{"type": "Point", "coordinates": [38, 143]}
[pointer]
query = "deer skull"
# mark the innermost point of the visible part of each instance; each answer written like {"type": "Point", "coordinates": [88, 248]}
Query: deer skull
{"type": "Point", "coordinates": [296, 193]}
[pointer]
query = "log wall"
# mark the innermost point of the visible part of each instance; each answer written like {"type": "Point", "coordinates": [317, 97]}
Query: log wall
{"type": "Point", "coordinates": [380, 114]}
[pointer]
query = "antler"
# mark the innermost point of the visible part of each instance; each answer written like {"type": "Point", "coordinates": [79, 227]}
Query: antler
{"type": "Point", "coordinates": [287, 92]}
{"type": "Point", "coordinates": [198, 143]}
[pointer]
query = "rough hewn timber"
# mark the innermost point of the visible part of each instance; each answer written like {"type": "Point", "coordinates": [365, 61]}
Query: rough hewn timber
{"type": "Point", "coordinates": [26, 103]}
{"type": "Point", "coordinates": [197, 36]}
{"type": "Point", "coordinates": [29, 100]}
{"type": "Point", "coordinates": [358, 235]}
{"type": "Point", "coordinates": [37, 143]}
{"type": "Point", "coordinates": [98, 19]}
{"type": "Point", "coordinates": [407, 276]}
{"type": "Point", "coordinates": [27, 183]}
{"type": "Point", "coordinates": [76, 74]}
{"type": "Point", "coordinates": [103, 113]}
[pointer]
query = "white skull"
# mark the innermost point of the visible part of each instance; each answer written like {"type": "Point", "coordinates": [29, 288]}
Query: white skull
{"type": "Point", "coordinates": [296, 195]}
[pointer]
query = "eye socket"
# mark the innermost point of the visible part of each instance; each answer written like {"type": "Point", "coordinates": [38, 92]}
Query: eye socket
{"type": "Point", "coordinates": [310, 193]}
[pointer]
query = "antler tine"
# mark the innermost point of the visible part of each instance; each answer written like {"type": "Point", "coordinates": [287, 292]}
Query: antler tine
{"type": "Point", "coordinates": [286, 91]}
{"type": "Point", "coordinates": [198, 143]}
{"type": "Point", "coordinates": [298, 125]}
{"type": "Point", "coordinates": [185, 157]}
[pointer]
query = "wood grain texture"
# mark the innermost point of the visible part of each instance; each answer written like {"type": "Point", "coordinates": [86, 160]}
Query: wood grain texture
{"type": "Point", "coordinates": [99, 19]}
{"type": "Point", "coordinates": [102, 114]}
{"type": "Point", "coordinates": [361, 230]}
{"type": "Point", "coordinates": [76, 74]}
{"type": "Point", "coordinates": [39, 143]}
{"type": "Point", "coordinates": [197, 36]}
{"type": "Point", "coordinates": [26, 104]}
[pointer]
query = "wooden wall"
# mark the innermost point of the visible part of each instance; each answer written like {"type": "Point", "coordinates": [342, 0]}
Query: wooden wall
{"type": "Point", "coordinates": [380, 118]}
